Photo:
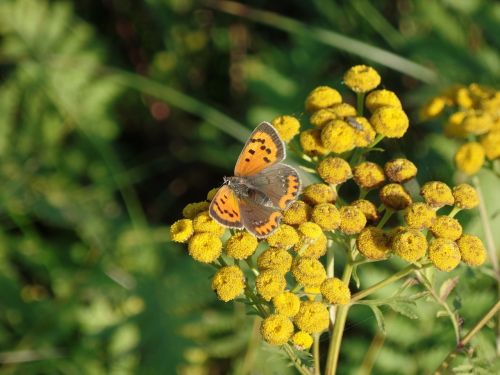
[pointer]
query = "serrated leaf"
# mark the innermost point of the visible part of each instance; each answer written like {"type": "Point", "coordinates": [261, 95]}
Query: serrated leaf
{"type": "Point", "coordinates": [379, 317]}
{"type": "Point", "coordinates": [447, 287]}
{"type": "Point", "coordinates": [404, 307]}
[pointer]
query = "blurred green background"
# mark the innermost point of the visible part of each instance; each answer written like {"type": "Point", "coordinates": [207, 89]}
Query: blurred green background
{"type": "Point", "coordinates": [114, 114]}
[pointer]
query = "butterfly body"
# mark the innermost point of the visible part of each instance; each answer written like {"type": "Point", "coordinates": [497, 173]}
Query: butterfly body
{"type": "Point", "coordinates": [260, 189]}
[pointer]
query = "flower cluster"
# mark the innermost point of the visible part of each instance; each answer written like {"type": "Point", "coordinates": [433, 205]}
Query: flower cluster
{"type": "Point", "coordinates": [473, 114]}
{"type": "Point", "coordinates": [284, 276]}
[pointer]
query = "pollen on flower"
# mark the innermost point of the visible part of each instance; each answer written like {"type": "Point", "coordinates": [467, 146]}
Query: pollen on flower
{"type": "Point", "coordinates": [308, 271]}
{"type": "Point", "coordinates": [270, 283]}
{"type": "Point", "coordinates": [395, 196]}
{"type": "Point", "coordinates": [444, 254]}
{"type": "Point", "coordinates": [211, 193]}
{"type": "Point", "coordinates": [419, 215]}
{"type": "Point", "coordinates": [364, 134]}
{"type": "Point", "coordinates": [472, 250]}
{"type": "Point", "coordinates": [310, 142]}
{"type": "Point", "coordinates": [193, 209]}
{"type": "Point", "coordinates": [361, 78]}
{"type": "Point", "coordinates": [437, 194]}
{"type": "Point", "coordinates": [285, 236]}
{"type": "Point", "coordinates": [287, 127]}
{"type": "Point", "coordinates": [319, 193]}
{"type": "Point", "coordinates": [241, 245]}
{"type": "Point", "coordinates": [204, 247]}
{"type": "Point", "coordinates": [373, 243]}
{"type": "Point", "coordinates": [276, 329]}
{"type": "Point", "coordinates": [312, 317]}
{"type": "Point", "coordinates": [491, 144]}
{"type": "Point", "coordinates": [391, 122]}
{"type": "Point", "coordinates": [352, 220]}
{"type": "Point", "coordinates": [302, 340]}
{"type": "Point", "coordinates": [381, 98]}
{"type": "Point", "coordinates": [286, 304]}
{"type": "Point", "coordinates": [228, 283]}
{"type": "Point", "coordinates": [322, 117]}
{"type": "Point", "coordinates": [276, 259]}
{"type": "Point", "coordinates": [313, 248]}
{"type": "Point", "coordinates": [446, 227]}
{"type": "Point", "coordinates": [335, 291]}
{"type": "Point", "coordinates": [338, 136]}
{"type": "Point", "coordinates": [409, 244]}
{"type": "Point", "coordinates": [465, 196]}
{"type": "Point", "coordinates": [470, 157]}
{"type": "Point", "coordinates": [400, 170]}
{"type": "Point", "coordinates": [309, 230]}
{"type": "Point", "coordinates": [368, 175]}
{"type": "Point", "coordinates": [298, 213]}
{"type": "Point", "coordinates": [204, 223]}
{"type": "Point", "coordinates": [322, 97]}
{"type": "Point", "coordinates": [181, 230]}
{"type": "Point", "coordinates": [326, 215]}
{"type": "Point", "coordinates": [334, 170]}
{"type": "Point", "coordinates": [368, 209]}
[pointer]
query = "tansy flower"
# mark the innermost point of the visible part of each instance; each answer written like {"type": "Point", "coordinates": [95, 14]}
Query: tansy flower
{"type": "Point", "coordinates": [446, 227]}
{"type": "Point", "coordinates": [313, 248]}
{"type": "Point", "coordinates": [463, 98]}
{"type": "Point", "coordinates": [373, 243]}
{"type": "Point", "coordinates": [319, 193]}
{"type": "Point", "coordinates": [228, 282]}
{"type": "Point", "coordinates": [285, 236]}
{"type": "Point", "coordinates": [211, 194]}
{"type": "Point", "coordinates": [276, 259]}
{"type": "Point", "coordinates": [322, 117]}
{"type": "Point", "coordinates": [193, 209]}
{"type": "Point", "coordinates": [298, 213]}
{"type": "Point", "coordinates": [338, 136]}
{"type": "Point", "coordinates": [276, 329]}
{"type": "Point", "coordinates": [302, 340]}
{"type": "Point", "coordinates": [352, 220]}
{"type": "Point", "coordinates": [181, 230]}
{"type": "Point", "coordinates": [361, 78]}
{"type": "Point", "coordinates": [270, 283]}
{"type": "Point", "coordinates": [286, 304]}
{"type": "Point", "coordinates": [322, 97]}
{"type": "Point", "coordinates": [419, 215]}
{"type": "Point", "coordinates": [454, 125]}
{"type": "Point", "coordinates": [470, 157]}
{"type": "Point", "coordinates": [326, 216]}
{"type": "Point", "coordinates": [437, 194]}
{"type": "Point", "coordinates": [310, 142]}
{"type": "Point", "coordinates": [434, 107]}
{"type": "Point", "coordinates": [444, 254]}
{"type": "Point", "coordinates": [381, 98]}
{"type": "Point", "coordinates": [311, 292]}
{"type": "Point", "coordinates": [334, 170]}
{"type": "Point", "coordinates": [204, 223]}
{"type": "Point", "coordinates": [465, 196]}
{"type": "Point", "coordinates": [391, 122]}
{"type": "Point", "coordinates": [287, 127]}
{"type": "Point", "coordinates": [368, 175]}
{"type": "Point", "coordinates": [204, 247]}
{"type": "Point", "coordinates": [342, 110]}
{"type": "Point", "coordinates": [491, 144]}
{"type": "Point", "coordinates": [410, 245]}
{"type": "Point", "coordinates": [395, 196]}
{"type": "Point", "coordinates": [471, 250]}
{"type": "Point", "coordinates": [368, 209]}
{"type": "Point", "coordinates": [308, 271]}
{"type": "Point", "coordinates": [477, 122]}
{"type": "Point", "coordinates": [312, 317]}
{"type": "Point", "coordinates": [335, 291]}
{"type": "Point", "coordinates": [241, 245]}
{"type": "Point", "coordinates": [309, 230]}
{"type": "Point", "coordinates": [364, 134]}
{"type": "Point", "coordinates": [400, 170]}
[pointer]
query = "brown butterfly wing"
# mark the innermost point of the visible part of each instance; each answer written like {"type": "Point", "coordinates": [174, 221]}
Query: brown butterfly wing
{"type": "Point", "coordinates": [259, 220]}
{"type": "Point", "coordinates": [225, 208]}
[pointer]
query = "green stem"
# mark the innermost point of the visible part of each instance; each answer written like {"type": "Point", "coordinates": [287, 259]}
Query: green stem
{"type": "Point", "coordinates": [330, 272]}
{"type": "Point", "coordinates": [317, 369]}
{"type": "Point", "coordinates": [296, 360]}
{"type": "Point", "coordinates": [377, 139]}
{"type": "Point", "coordinates": [387, 215]}
{"type": "Point", "coordinates": [454, 211]}
{"type": "Point", "coordinates": [360, 101]}
{"type": "Point", "coordinates": [371, 354]}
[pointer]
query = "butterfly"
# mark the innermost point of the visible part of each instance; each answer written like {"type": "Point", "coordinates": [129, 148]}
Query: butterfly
{"type": "Point", "coordinates": [261, 187]}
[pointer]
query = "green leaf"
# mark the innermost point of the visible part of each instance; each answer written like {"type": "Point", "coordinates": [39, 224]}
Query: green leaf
{"type": "Point", "coordinates": [355, 276]}
{"type": "Point", "coordinates": [379, 317]}
{"type": "Point", "coordinates": [447, 287]}
{"type": "Point", "coordinates": [404, 307]}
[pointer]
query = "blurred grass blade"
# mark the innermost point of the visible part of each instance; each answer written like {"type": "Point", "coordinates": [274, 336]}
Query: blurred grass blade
{"type": "Point", "coordinates": [329, 38]}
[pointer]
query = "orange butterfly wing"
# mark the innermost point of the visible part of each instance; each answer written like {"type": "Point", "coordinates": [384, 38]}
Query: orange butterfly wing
{"type": "Point", "coordinates": [263, 149]}
{"type": "Point", "coordinates": [225, 208]}
{"type": "Point", "coordinates": [259, 220]}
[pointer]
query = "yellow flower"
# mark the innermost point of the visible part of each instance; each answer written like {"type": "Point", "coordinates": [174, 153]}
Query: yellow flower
{"type": "Point", "coordinates": [419, 215]}
{"type": "Point", "coordinates": [395, 196]}
{"type": "Point", "coordinates": [470, 157]}
{"type": "Point", "coordinates": [228, 282]}
{"type": "Point", "coordinates": [465, 196]}
{"type": "Point", "coordinates": [322, 117]}
{"type": "Point", "coordinates": [276, 259]}
{"type": "Point", "coordinates": [409, 244]}
{"type": "Point", "coordinates": [193, 209]}
{"type": "Point", "coordinates": [287, 127]}
{"type": "Point", "coordinates": [477, 122]}
{"type": "Point", "coordinates": [310, 230]}
{"type": "Point", "coordinates": [338, 136]}
{"type": "Point", "coordinates": [334, 170]}
{"type": "Point", "coordinates": [308, 271]}
{"type": "Point", "coordinates": [181, 230]}
{"type": "Point", "coordinates": [204, 223]}
{"type": "Point", "coordinates": [276, 329]}
{"type": "Point", "coordinates": [437, 194]}
{"type": "Point", "coordinates": [241, 245]}
{"type": "Point", "coordinates": [310, 141]}
{"type": "Point", "coordinates": [368, 209]}
{"type": "Point", "coordinates": [446, 227]}
{"type": "Point", "coordinates": [454, 126]}
{"type": "Point", "coordinates": [381, 98]}
{"type": "Point", "coordinates": [444, 254]}
{"type": "Point", "coordinates": [373, 243]}
{"type": "Point", "coordinates": [312, 317]}
{"type": "Point", "coordinates": [286, 304]}
{"type": "Point", "coordinates": [342, 110]}
{"type": "Point", "coordinates": [491, 144]}
{"type": "Point", "coordinates": [472, 250]}
{"type": "Point", "coordinates": [326, 216]}
{"type": "Point", "coordinates": [361, 78]}
{"type": "Point", "coordinates": [312, 291]}
{"type": "Point", "coordinates": [463, 98]}
{"type": "Point", "coordinates": [211, 194]}
{"type": "Point", "coordinates": [204, 247]}
{"type": "Point", "coordinates": [313, 248]}
{"type": "Point", "coordinates": [400, 170]}
{"type": "Point", "coordinates": [270, 283]}
{"type": "Point", "coordinates": [352, 220]}
{"type": "Point", "coordinates": [368, 175]}
{"type": "Point", "coordinates": [319, 193]}
{"type": "Point", "coordinates": [335, 291]}
{"type": "Point", "coordinates": [391, 122]}
{"type": "Point", "coordinates": [434, 107]}
{"type": "Point", "coordinates": [322, 97]}
{"type": "Point", "coordinates": [364, 134]}
{"type": "Point", "coordinates": [298, 213]}
{"type": "Point", "coordinates": [285, 236]}
{"type": "Point", "coordinates": [302, 340]}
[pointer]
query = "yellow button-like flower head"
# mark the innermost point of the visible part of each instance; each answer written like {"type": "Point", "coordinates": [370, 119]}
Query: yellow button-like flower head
{"type": "Point", "coordinates": [310, 141]}
{"type": "Point", "coordinates": [302, 340]}
{"type": "Point", "coordinates": [319, 193]}
{"type": "Point", "coordinates": [270, 283]}
{"type": "Point", "coordinates": [395, 196]}
{"type": "Point", "coordinates": [364, 134]}
{"type": "Point", "coordinates": [334, 170]}
{"type": "Point", "coordinates": [361, 78]}
{"type": "Point", "coordinates": [369, 175]}
{"type": "Point", "coordinates": [203, 223]}
{"type": "Point", "coordinates": [335, 291]}
{"type": "Point", "coordinates": [391, 122]}
{"type": "Point", "coordinates": [313, 248]}
{"type": "Point", "coordinates": [472, 250]}
{"type": "Point", "coordinates": [308, 271]}
{"type": "Point", "coordinates": [465, 196]}
{"type": "Point", "coordinates": [477, 122]}
{"type": "Point", "coordinates": [193, 209]}
{"type": "Point", "coordinates": [241, 245]}
{"type": "Point", "coordinates": [276, 329]}
{"type": "Point", "coordinates": [298, 213]}
{"type": "Point", "coordinates": [437, 194]}
{"type": "Point", "coordinates": [228, 282]}
{"type": "Point", "coordinates": [454, 127]}
{"type": "Point", "coordinates": [312, 317]}
{"type": "Point", "coordinates": [446, 227]}
{"type": "Point", "coordinates": [420, 215]}
{"type": "Point", "coordinates": [211, 194]}
{"type": "Point", "coordinates": [373, 243]}
{"type": "Point", "coordinates": [276, 259]}
{"type": "Point", "coordinates": [491, 144]}
{"type": "Point", "coordinates": [204, 247]}
{"type": "Point", "coordinates": [470, 157]}
{"type": "Point", "coordinates": [181, 230]}
{"type": "Point", "coordinates": [338, 136]}
{"type": "Point", "coordinates": [400, 170]}
{"type": "Point", "coordinates": [444, 254]}
{"type": "Point", "coordinates": [352, 220]}
{"type": "Point", "coordinates": [368, 209]}
{"type": "Point", "coordinates": [326, 216]}
{"type": "Point", "coordinates": [410, 245]}
{"type": "Point", "coordinates": [322, 97]}
{"type": "Point", "coordinates": [381, 98]}
{"type": "Point", "coordinates": [286, 304]}
{"type": "Point", "coordinates": [287, 127]}
{"type": "Point", "coordinates": [434, 107]}
{"type": "Point", "coordinates": [285, 236]}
